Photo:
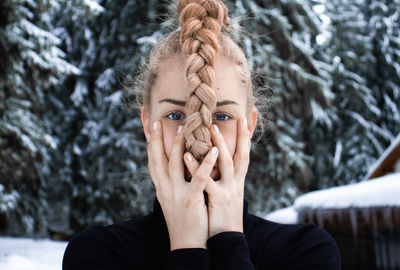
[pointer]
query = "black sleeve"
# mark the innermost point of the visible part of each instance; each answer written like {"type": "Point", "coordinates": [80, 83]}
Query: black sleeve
{"type": "Point", "coordinates": [311, 248]}
{"type": "Point", "coordinates": [100, 248]}
{"type": "Point", "coordinates": [90, 250]}
{"type": "Point", "coordinates": [188, 259]}
{"type": "Point", "coordinates": [229, 250]}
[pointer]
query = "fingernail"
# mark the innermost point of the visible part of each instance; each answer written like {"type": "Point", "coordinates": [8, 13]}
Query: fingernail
{"type": "Point", "coordinates": [147, 137]}
{"type": "Point", "coordinates": [189, 157]}
{"type": "Point", "coordinates": [244, 121]}
{"type": "Point", "coordinates": [179, 130]}
{"type": "Point", "coordinates": [216, 129]}
{"type": "Point", "coordinates": [213, 150]}
{"type": "Point", "coordinates": [155, 124]}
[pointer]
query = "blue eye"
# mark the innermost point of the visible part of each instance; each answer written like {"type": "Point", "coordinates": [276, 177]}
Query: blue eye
{"type": "Point", "coordinates": [175, 116]}
{"type": "Point", "coordinates": [222, 117]}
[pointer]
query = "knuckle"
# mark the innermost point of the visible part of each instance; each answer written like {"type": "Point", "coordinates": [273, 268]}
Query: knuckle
{"type": "Point", "coordinates": [149, 161]}
{"type": "Point", "coordinates": [156, 186]}
{"type": "Point", "coordinates": [154, 138]}
{"type": "Point", "coordinates": [200, 177]}
{"type": "Point", "coordinates": [173, 164]}
{"type": "Point", "coordinates": [244, 157]}
{"type": "Point", "coordinates": [246, 139]}
{"type": "Point", "coordinates": [155, 135]}
{"type": "Point", "coordinates": [227, 161]}
{"type": "Point", "coordinates": [163, 194]}
{"type": "Point", "coordinates": [226, 197]}
{"type": "Point", "coordinates": [178, 138]}
{"type": "Point", "coordinates": [235, 192]}
{"type": "Point", "coordinates": [209, 160]}
{"type": "Point", "coordinates": [188, 201]}
{"type": "Point", "coordinates": [243, 153]}
{"type": "Point", "coordinates": [152, 160]}
{"type": "Point", "coordinates": [149, 147]}
{"type": "Point", "coordinates": [246, 132]}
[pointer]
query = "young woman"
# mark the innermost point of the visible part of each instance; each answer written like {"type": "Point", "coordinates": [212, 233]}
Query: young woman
{"type": "Point", "coordinates": [199, 115]}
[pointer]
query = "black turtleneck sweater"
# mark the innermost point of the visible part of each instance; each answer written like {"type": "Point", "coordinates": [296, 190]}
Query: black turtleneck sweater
{"type": "Point", "coordinates": [144, 244]}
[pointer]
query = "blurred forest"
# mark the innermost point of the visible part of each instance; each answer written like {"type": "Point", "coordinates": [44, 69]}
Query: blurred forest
{"type": "Point", "coordinates": [72, 154]}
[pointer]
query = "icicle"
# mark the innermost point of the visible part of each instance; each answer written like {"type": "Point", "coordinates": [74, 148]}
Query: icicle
{"type": "Point", "coordinates": [392, 252]}
{"type": "Point", "coordinates": [396, 237]}
{"type": "Point", "coordinates": [320, 217]}
{"type": "Point", "coordinates": [353, 221]}
{"type": "Point", "coordinates": [387, 217]}
{"type": "Point", "coordinates": [383, 253]}
{"type": "Point", "coordinates": [330, 215]}
{"type": "Point", "coordinates": [377, 249]}
{"type": "Point", "coordinates": [309, 216]}
{"type": "Point", "coordinates": [397, 252]}
{"type": "Point", "coordinates": [340, 216]}
{"type": "Point", "coordinates": [366, 214]}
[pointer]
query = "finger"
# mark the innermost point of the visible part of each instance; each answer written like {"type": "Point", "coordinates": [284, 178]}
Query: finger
{"type": "Point", "coordinates": [202, 175]}
{"type": "Point", "coordinates": [175, 164]}
{"type": "Point", "coordinates": [150, 166]}
{"type": "Point", "coordinates": [225, 162]}
{"type": "Point", "coordinates": [191, 163]}
{"type": "Point", "coordinates": [242, 154]}
{"type": "Point", "coordinates": [211, 189]}
{"type": "Point", "coordinates": [157, 157]}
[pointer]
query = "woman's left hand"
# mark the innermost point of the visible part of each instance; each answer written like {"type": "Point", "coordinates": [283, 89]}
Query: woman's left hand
{"type": "Point", "coordinates": [225, 197]}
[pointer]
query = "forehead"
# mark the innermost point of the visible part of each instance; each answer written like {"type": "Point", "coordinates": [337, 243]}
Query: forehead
{"type": "Point", "coordinates": [171, 82]}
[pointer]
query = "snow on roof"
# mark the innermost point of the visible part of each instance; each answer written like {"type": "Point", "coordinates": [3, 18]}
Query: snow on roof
{"type": "Point", "coordinates": [285, 216]}
{"type": "Point", "coordinates": [382, 191]}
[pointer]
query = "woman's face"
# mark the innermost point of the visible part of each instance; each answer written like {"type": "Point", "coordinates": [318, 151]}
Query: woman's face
{"type": "Point", "coordinates": [170, 94]}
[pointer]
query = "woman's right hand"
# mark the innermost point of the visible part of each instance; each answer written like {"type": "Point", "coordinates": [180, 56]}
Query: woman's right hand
{"type": "Point", "coordinates": [182, 202]}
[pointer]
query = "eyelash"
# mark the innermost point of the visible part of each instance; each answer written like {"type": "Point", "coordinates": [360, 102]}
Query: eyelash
{"type": "Point", "coordinates": [224, 114]}
{"type": "Point", "coordinates": [215, 115]}
{"type": "Point", "coordinates": [171, 113]}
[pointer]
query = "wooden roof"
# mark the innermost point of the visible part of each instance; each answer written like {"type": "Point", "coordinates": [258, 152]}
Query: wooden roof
{"type": "Point", "coordinates": [385, 164]}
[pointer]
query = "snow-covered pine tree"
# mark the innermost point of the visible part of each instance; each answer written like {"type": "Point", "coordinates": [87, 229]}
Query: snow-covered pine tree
{"type": "Point", "coordinates": [365, 116]}
{"type": "Point", "coordinates": [338, 151]}
{"type": "Point", "coordinates": [384, 28]}
{"type": "Point", "coordinates": [31, 64]}
{"type": "Point", "coordinates": [102, 160]}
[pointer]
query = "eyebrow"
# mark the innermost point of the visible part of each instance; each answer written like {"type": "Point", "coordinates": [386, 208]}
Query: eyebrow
{"type": "Point", "coordinates": [183, 103]}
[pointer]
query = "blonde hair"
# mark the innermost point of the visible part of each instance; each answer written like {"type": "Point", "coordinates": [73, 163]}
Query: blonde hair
{"type": "Point", "coordinates": [202, 38]}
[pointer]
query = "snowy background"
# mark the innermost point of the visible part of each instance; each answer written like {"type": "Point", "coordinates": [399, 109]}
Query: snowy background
{"type": "Point", "coordinates": [73, 154]}
{"type": "Point", "coordinates": [22, 254]}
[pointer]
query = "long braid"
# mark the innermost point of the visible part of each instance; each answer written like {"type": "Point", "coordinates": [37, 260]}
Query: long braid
{"type": "Point", "coordinates": [201, 22]}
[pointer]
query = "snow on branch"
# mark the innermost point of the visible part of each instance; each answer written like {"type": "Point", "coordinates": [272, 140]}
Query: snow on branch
{"type": "Point", "coordinates": [93, 7]}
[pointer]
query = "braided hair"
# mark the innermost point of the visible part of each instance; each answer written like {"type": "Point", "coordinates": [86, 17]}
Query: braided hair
{"type": "Point", "coordinates": [201, 23]}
